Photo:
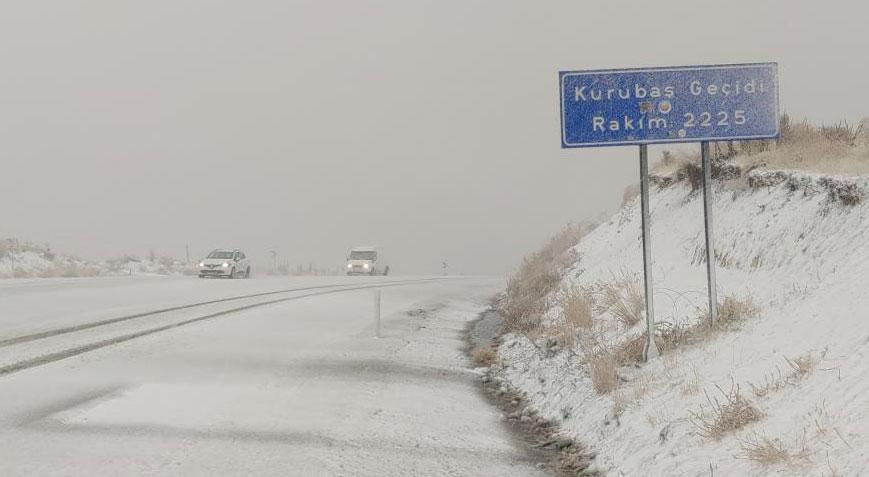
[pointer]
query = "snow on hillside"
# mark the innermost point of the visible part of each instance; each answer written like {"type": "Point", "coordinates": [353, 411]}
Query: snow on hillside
{"type": "Point", "coordinates": [795, 245]}
{"type": "Point", "coordinates": [30, 260]}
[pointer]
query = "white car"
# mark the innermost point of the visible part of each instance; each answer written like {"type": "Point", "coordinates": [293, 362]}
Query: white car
{"type": "Point", "coordinates": [225, 263]}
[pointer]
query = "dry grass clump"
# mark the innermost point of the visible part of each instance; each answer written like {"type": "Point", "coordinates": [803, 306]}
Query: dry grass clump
{"type": "Point", "coordinates": [691, 385]}
{"type": "Point", "coordinates": [801, 367]}
{"type": "Point", "coordinates": [735, 310]}
{"type": "Point", "coordinates": [576, 307]}
{"type": "Point", "coordinates": [623, 297]}
{"type": "Point", "coordinates": [727, 415]}
{"type": "Point", "coordinates": [602, 361]}
{"type": "Point", "coordinates": [832, 149]}
{"type": "Point", "coordinates": [731, 312]}
{"type": "Point", "coordinates": [840, 148]}
{"type": "Point", "coordinates": [484, 356]}
{"type": "Point", "coordinates": [539, 275]}
{"type": "Point", "coordinates": [577, 304]}
{"type": "Point", "coordinates": [630, 351]}
{"type": "Point", "coordinates": [604, 371]}
{"type": "Point", "coordinates": [767, 452]}
{"type": "Point", "coordinates": [636, 391]}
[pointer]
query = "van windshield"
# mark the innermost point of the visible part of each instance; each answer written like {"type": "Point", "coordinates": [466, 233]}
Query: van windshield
{"type": "Point", "coordinates": [363, 255]}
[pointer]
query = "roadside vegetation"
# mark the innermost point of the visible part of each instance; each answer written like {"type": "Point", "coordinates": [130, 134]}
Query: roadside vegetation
{"type": "Point", "coordinates": [583, 317]}
{"type": "Point", "coordinates": [839, 149]}
{"type": "Point", "coordinates": [21, 259]}
{"type": "Point", "coordinates": [539, 275]}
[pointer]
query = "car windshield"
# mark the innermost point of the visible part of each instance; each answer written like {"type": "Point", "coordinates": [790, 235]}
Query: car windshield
{"type": "Point", "coordinates": [363, 255]}
{"type": "Point", "coordinates": [220, 254]}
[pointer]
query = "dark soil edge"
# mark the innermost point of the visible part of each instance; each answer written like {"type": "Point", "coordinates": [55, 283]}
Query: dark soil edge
{"type": "Point", "coordinates": [539, 437]}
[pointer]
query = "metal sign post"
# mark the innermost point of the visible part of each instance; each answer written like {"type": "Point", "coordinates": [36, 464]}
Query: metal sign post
{"type": "Point", "coordinates": [651, 349]}
{"type": "Point", "coordinates": [710, 247]}
{"type": "Point", "coordinates": [642, 106]}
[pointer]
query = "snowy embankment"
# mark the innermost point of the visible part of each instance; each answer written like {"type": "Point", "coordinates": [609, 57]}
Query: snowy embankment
{"type": "Point", "coordinates": [795, 247]}
{"type": "Point", "coordinates": [30, 261]}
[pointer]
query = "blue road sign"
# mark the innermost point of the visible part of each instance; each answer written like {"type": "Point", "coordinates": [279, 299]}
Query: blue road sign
{"type": "Point", "coordinates": [674, 104]}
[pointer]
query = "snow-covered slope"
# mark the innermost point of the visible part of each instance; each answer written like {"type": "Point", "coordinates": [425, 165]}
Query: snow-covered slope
{"type": "Point", "coordinates": [28, 260]}
{"type": "Point", "coordinates": [798, 246]}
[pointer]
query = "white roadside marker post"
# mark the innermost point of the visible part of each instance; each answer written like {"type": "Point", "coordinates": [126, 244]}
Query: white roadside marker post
{"type": "Point", "coordinates": [650, 351]}
{"type": "Point", "coordinates": [710, 247]}
{"type": "Point", "coordinates": [12, 244]}
{"type": "Point", "coordinates": [377, 313]}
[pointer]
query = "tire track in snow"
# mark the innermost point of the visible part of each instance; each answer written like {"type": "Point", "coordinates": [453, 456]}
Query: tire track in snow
{"type": "Point", "coordinates": [77, 350]}
{"type": "Point", "coordinates": [110, 321]}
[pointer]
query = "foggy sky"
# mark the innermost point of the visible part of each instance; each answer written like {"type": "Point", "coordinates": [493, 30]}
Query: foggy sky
{"type": "Point", "coordinates": [429, 128]}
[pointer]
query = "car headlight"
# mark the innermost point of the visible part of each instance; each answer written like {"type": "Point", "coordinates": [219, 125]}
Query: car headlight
{"type": "Point", "coordinates": [364, 265]}
{"type": "Point", "coordinates": [225, 265]}
{"type": "Point", "coordinates": [349, 265]}
{"type": "Point", "coordinates": [201, 264]}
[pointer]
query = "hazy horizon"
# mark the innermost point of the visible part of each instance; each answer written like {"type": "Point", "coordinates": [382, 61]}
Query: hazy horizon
{"type": "Point", "coordinates": [430, 129]}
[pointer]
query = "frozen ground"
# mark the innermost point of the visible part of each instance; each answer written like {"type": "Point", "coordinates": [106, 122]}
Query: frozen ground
{"type": "Point", "coordinates": [294, 388]}
{"type": "Point", "coordinates": [802, 255]}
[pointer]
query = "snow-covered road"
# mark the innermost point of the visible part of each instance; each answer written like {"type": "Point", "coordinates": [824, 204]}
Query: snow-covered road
{"type": "Point", "coordinates": [299, 387]}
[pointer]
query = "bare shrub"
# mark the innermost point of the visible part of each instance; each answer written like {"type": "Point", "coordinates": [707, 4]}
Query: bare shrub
{"type": "Point", "coordinates": [669, 163]}
{"type": "Point", "coordinates": [630, 351]}
{"type": "Point", "coordinates": [691, 172]}
{"type": "Point", "coordinates": [623, 297]}
{"type": "Point", "coordinates": [484, 356]}
{"type": "Point", "coordinates": [727, 415]}
{"type": "Point", "coordinates": [630, 193]}
{"type": "Point", "coordinates": [767, 452]}
{"type": "Point", "coordinates": [539, 275]}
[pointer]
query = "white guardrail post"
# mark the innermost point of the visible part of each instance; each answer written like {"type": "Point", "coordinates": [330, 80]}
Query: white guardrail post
{"type": "Point", "coordinates": [377, 313]}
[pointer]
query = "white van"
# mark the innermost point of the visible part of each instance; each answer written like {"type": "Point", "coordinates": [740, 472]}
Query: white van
{"type": "Point", "coordinates": [365, 261]}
